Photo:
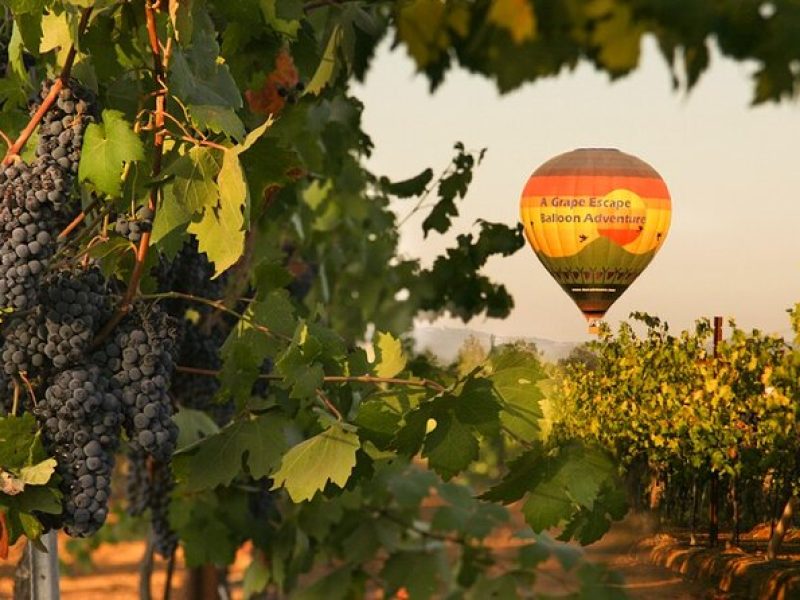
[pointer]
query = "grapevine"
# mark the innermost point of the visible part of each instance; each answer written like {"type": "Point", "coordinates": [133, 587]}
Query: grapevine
{"type": "Point", "coordinates": [202, 291]}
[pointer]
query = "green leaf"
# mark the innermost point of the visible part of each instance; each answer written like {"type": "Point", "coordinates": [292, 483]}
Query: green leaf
{"type": "Point", "coordinates": [503, 586]}
{"type": "Point", "coordinates": [309, 466]}
{"type": "Point", "coordinates": [453, 184]}
{"type": "Point", "coordinates": [546, 506]}
{"type": "Point", "coordinates": [415, 571]}
{"type": "Point", "coordinates": [19, 443]}
{"type": "Point", "coordinates": [524, 473]}
{"type": "Point", "coordinates": [218, 119]}
{"type": "Point", "coordinates": [411, 486]}
{"type": "Point", "coordinates": [39, 498]}
{"type": "Point", "coordinates": [217, 459]}
{"type": "Point", "coordinates": [389, 358]}
{"type": "Point", "coordinates": [450, 448]}
{"type": "Point", "coordinates": [193, 425]}
{"type": "Point", "coordinates": [516, 376]}
{"type": "Point", "coordinates": [407, 188]}
{"type": "Point", "coordinates": [334, 586]}
{"type": "Point", "coordinates": [198, 78]}
{"type": "Point", "coordinates": [297, 365]}
{"type": "Point", "coordinates": [531, 555]}
{"type": "Point", "coordinates": [38, 474]}
{"type": "Point", "coordinates": [193, 176]}
{"type": "Point", "coordinates": [378, 420]}
{"type": "Point", "coordinates": [19, 7]}
{"type": "Point", "coordinates": [180, 14]}
{"type": "Point", "coordinates": [106, 147]}
{"type": "Point", "coordinates": [171, 215]}
{"type": "Point", "coordinates": [477, 405]}
{"type": "Point", "coordinates": [247, 346]}
{"type": "Point", "coordinates": [15, 48]}
{"type": "Point", "coordinates": [256, 577]}
{"type": "Point", "coordinates": [32, 527]}
{"type": "Point", "coordinates": [567, 555]}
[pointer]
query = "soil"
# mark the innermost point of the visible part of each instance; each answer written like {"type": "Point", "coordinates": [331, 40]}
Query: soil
{"type": "Point", "coordinates": [115, 574]}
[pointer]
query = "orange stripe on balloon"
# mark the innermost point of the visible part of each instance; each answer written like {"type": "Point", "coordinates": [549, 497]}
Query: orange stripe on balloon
{"type": "Point", "coordinates": [598, 185]}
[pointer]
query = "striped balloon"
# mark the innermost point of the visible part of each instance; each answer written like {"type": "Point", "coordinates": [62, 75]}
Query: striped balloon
{"type": "Point", "coordinates": [595, 217]}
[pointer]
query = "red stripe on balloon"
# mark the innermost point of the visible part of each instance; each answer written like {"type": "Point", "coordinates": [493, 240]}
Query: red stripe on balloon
{"type": "Point", "coordinates": [596, 185]}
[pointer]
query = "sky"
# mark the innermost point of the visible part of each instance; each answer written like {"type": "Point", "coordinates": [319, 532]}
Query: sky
{"type": "Point", "coordinates": [733, 172]}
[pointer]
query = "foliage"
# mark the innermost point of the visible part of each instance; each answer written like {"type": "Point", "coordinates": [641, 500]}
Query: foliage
{"type": "Point", "coordinates": [27, 485]}
{"type": "Point", "coordinates": [235, 123]}
{"type": "Point", "coordinates": [684, 409]}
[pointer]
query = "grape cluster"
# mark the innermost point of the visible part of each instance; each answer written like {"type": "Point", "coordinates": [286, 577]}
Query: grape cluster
{"type": "Point", "coordinates": [201, 348]}
{"type": "Point", "coordinates": [80, 422]}
{"type": "Point", "coordinates": [138, 358]}
{"type": "Point", "coordinates": [149, 486]}
{"type": "Point", "coordinates": [132, 229]}
{"type": "Point", "coordinates": [82, 397]}
{"type": "Point", "coordinates": [61, 130]}
{"type": "Point", "coordinates": [77, 304]}
{"type": "Point", "coordinates": [34, 199]}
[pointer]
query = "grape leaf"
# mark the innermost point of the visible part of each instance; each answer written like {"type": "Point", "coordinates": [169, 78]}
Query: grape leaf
{"type": "Point", "coordinates": [170, 215]}
{"type": "Point", "coordinates": [515, 16]}
{"type": "Point", "coordinates": [307, 467]}
{"type": "Point", "coordinates": [407, 188]}
{"type": "Point", "coordinates": [417, 572]}
{"type": "Point", "coordinates": [193, 425]}
{"type": "Point", "coordinates": [19, 444]}
{"type": "Point", "coordinates": [451, 447]}
{"type": "Point", "coordinates": [233, 188]}
{"type": "Point", "coordinates": [326, 66]}
{"type": "Point", "coordinates": [106, 147]}
{"type": "Point", "coordinates": [56, 35]}
{"type": "Point", "coordinates": [389, 358]}
{"type": "Point", "coordinates": [546, 506]}
{"type": "Point", "coordinates": [453, 184]}
{"type": "Point", "coordinates": [333, 586]}
{"type": "Point", "coordinates": [217, 459]}
{"type": "Point", "coordinates": [219, 119]}
{"type": "Point", "coordinates": [38, 474]}
{"type": "Point", "coordinates": [220, 234]}
{"type": "Point", "coordinates": [193, 176]}
{"type": "Point", "coordinates": [256, 577]}
{"type": "Point", "coordinates": [180, 13]}
{"type": "Point", "coordinates": [19, 7]}
{"type": "Point", "coordinates": [197, 77]}
{"type": "Point", "coordinates": [516, 377]}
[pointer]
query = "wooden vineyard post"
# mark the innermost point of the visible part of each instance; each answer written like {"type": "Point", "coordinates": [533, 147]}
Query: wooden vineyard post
{"type": "Point", "coordinates": [713, 484]}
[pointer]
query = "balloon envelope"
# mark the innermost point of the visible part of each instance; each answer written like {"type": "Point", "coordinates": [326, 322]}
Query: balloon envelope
{"type": "Point", "coordinates": [595, 217]}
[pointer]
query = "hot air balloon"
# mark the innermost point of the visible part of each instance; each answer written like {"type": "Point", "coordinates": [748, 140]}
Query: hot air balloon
{"type": "Point", "coordinates": [595, 217]}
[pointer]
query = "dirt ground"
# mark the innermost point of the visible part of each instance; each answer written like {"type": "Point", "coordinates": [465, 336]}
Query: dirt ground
{"type": "Point", "coordinates": [115, 576]}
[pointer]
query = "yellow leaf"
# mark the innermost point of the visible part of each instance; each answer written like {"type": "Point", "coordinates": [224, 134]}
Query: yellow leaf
{"type": "Point", "coordinates": [324, 72]}
{"type": "Point", "coordinates": [515, 16]}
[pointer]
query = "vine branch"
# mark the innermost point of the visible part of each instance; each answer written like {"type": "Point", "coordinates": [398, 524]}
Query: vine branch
{"type": "Point", "coordinates": [219, 305]}
{"type": "Point", "coordinates": [15, 148]}
{"type": "Point", "coordinates": [330, 378]}
{"type": "Point", "coordinates": [159, 64]}
{"type": "Point", "coordinates": [77, 220]}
